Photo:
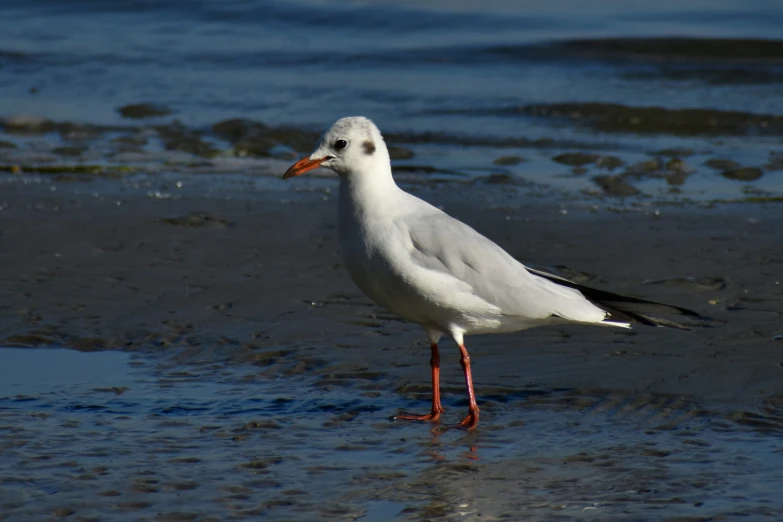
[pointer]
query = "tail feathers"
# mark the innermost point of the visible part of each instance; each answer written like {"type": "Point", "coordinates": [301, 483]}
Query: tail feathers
{"type": "Point", "coordinates": [606, 322]}
{"type": "Point", "coordinates": [622, 307]}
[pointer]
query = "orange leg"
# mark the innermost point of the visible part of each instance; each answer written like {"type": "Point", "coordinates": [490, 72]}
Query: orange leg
{"type": "Point", "coordinates": [472, 420]}
{"type": "Point", "coordinates": [437, 409]}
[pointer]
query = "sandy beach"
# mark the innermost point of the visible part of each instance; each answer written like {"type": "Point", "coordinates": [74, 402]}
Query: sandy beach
{"type": "Point", "coordinates": [262, 270]}
{"type": "Point", "coordinates": [179, 339]}
{"type": "Point", "coordinates": [247, 287]}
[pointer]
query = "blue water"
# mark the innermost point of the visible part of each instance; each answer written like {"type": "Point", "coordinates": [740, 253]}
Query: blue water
{"type": "Point", "coordinates": [311, 62]}
{"type": "Point", "coordinates": [109, 434]}
{"type": "Point", "coordinates": [455, 67]}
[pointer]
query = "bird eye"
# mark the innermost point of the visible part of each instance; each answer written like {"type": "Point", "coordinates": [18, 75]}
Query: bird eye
{"type": "Point", "coordinates": [340, 144]}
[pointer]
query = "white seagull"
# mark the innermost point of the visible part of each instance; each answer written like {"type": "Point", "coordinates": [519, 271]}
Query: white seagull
{"type": "Point", "coordinates": [429, 268]}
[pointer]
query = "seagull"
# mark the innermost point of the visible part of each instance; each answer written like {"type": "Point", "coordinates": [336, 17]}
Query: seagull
{"type": "Point", "coordinates": [428, 268]}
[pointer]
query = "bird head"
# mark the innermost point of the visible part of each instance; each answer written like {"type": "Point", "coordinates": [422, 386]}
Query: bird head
{"type": "Point", "coordinates": [351, 147]}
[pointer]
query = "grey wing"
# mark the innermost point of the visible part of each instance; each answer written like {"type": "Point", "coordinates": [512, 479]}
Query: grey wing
{"type": "Point", "coordinates": [623, 307]}
{"type": "Point", "coordinates": [443, 244]}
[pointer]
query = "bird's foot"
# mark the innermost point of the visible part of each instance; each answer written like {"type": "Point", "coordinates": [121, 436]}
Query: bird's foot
{"type": "Point", "coordinates": [432, 416]}
{"type": "Point", "coordinates": [471, 421]}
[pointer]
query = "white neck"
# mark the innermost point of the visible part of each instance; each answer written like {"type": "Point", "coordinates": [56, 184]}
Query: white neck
{"type": "Point", "coordinates": [370, 188]}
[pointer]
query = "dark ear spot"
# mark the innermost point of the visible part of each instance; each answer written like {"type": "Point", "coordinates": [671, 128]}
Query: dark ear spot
{"type": "Point", "coordinates": [369, 147]}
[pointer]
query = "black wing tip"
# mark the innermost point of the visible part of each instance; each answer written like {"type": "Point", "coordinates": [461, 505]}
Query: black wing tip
{"type": "Point", "coordinates": [613, 303]}
{"type": "Point", "coordinates": [651, 320]}
{"type": "Point", "coordinates": [689, 313]}
{"type": "Point", "coordinates": [647, 320]}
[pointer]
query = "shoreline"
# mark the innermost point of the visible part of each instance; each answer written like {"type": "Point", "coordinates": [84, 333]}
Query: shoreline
{"type": "Point", "coordinates": [258, 381]}
{"type": "Point", "coordinates": [241, 274]}
{"type": "Point", "coordinates": [594, 166]}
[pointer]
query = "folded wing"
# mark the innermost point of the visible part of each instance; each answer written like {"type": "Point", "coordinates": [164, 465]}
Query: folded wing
{"type": "Point", "coordinates": [442, 244]}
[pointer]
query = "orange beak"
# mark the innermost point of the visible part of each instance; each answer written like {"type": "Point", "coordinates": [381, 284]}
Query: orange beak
{"type": "Point", "coordinates": [302, 166]}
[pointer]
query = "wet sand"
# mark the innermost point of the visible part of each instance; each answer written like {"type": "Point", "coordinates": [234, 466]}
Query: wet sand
{"type": "Point", "coordinates": [244, 289]}
{"type": "Point", "coordinates": [179, 340]}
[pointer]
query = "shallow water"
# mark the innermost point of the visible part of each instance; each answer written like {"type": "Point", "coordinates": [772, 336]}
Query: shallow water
{"type": "Point", "coordinates": [539, 99]}
{"type": "Point", "coordinates": [538, 80]}
{"type": "Point", "coordinates": [111, 434]}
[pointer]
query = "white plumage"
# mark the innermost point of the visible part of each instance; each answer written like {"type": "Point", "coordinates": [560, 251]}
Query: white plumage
{"type": "Point", "coordinates": [431, 269]}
